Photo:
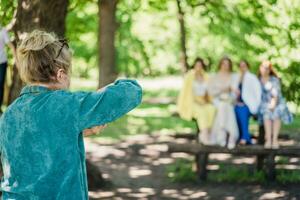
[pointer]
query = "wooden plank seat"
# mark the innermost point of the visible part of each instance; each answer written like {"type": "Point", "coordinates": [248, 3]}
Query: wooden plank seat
{"type": "Point", "coordinates": [265, 157]}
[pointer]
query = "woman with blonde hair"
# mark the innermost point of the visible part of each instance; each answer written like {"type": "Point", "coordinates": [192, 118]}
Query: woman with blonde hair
{"type": "Point", "coordinates": [41, 140]}
{"type": "Point", "coordinates": [194, 101]}
{"type": "Point", "coordinates": [223, 86]}
{"type": "Point", "coordinates": [273, 108]}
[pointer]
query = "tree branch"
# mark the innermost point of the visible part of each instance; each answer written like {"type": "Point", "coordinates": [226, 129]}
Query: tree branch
{"type": "Point", "coordinates": [203, 3]}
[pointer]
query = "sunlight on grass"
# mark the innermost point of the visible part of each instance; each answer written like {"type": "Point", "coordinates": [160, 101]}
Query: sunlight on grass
{"type": "Point", "coordinates": [78, 84]}
{"type": "Point", "coordinates": [155, 122]}
{"type": "Point", "coordinates": [157, 118]}
{"type": "Point", "coordinates": [147, 119]}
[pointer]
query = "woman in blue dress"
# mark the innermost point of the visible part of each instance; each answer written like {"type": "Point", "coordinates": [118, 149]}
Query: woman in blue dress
{"type": "Point", "coordinates": [273, 109]}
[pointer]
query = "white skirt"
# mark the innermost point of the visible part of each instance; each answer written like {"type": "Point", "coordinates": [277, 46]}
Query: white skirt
{"type": "Point", "coordinates": [225, 123]}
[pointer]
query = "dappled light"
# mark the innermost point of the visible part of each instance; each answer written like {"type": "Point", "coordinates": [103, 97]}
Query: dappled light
{"type": "Point", "coordinates": [145, 158]}
{"type": "Point", "coordinates": [272, 195]}
{"type": "Point", "coordinates": [152, 99]}
{"type": "Point", "coordinates": [136, 172]}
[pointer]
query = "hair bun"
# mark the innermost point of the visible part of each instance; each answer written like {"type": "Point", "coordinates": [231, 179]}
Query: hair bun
{"type": "Point", "coordinates": [35, 41]}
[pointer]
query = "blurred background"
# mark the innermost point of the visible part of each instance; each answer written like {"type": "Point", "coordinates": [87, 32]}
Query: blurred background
{"type": "Point", "coordinates": [156, 42]}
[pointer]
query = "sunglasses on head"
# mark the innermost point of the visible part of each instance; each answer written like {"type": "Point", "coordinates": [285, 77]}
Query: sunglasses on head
{"type": "Point", "coordinates": [64, 42]}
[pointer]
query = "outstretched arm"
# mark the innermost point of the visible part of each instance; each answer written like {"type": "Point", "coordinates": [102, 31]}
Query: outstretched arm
{"type": "Point", "coordinates": [99, 108]}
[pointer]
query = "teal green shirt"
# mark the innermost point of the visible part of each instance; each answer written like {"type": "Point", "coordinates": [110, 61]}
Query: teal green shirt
{"type": "Point", "coordinates": [41, 140]}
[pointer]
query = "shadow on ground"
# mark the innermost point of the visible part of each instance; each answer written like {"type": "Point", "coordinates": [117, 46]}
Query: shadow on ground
{"type": "Point", "coordinates": [136, 169]}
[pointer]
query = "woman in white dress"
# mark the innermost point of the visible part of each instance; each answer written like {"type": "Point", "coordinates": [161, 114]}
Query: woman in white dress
{"type": "Point", "coordinates": [223, 87]}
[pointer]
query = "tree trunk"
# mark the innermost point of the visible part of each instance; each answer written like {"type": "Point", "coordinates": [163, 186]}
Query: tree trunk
{"type": "Point", "coordinates": [183, 54]}
{"type": "Point", "coordinates": [47, 15]}
{"type": "Point", "coordinates": [106, 37]}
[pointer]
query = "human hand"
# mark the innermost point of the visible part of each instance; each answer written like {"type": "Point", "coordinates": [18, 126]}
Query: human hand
{"type": "Point", "coordinates": [226, 90]}
{"type": "Point", "coordinates": [237, 93]}
{"type": "Point", "coordinates": [272, 104]}
{"type": "Point", "coordinates": [94, 130]}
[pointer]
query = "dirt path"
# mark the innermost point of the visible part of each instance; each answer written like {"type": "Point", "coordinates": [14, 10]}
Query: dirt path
{"type": "Point", "coordinates": [136, 168]}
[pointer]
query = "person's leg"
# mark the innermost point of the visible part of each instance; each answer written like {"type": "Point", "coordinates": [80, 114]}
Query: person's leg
{"type": "Point", "coordinates": [3, 67]}
{"type": "Point", "coordinates": [205, 115]}
{"type": "Point", "coordinates": [237, 110]}
{"type": "Point", "coordinates": [276, 129]}
{"type": "Point", "coordinates": [204, 136]}
{"type": "Point", "coordinates": [245, 115]}
{"type": "Point", "coordinates": [225, 121]}
{"type": "Point", "coordinates": [268, 133]}
{"type": "Point", "coordinates": [232, 130]}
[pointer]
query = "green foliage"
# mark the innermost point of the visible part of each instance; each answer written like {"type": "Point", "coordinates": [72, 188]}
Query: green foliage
{"type": "Point", "coordinates": [132, 58]}
{"type": "Point", "coordinates": [252, 30]}
{"type": "Point", "coordinates": [291, 82]}
{"type": "Point", "coordinates": [181, 171]}
{"type": "Point", "coordinates": [148, 37]}
{"type": "Point", "coordinates": [293, 129]}
{"type": "Point", "coordinates": [7, 9]}
{"type": "Point", "coordinates": [82, 26]}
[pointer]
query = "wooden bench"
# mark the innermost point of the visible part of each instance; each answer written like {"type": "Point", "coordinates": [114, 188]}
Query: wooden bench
{"type": "Point", "coordinates": [268, 155]}
{"type": "Point", "coordinates": [265, 158]}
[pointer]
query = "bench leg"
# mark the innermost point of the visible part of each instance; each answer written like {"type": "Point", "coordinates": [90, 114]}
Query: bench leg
{"type": "Point", "coordinates": [270, 167]}
{"type": "Point", "coordinates": [260, 162]}
{"type": "Point", "coordinates": [261, 135]}
{"type": "Point", "coordinates": [201, 161]}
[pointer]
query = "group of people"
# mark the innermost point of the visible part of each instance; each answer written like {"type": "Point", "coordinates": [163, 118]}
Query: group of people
{"type": "Point", "coordinates": [222, 103]}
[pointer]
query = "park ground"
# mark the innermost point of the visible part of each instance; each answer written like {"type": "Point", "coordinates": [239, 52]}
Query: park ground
{"type": "Point", "coordinates": [132, 155]}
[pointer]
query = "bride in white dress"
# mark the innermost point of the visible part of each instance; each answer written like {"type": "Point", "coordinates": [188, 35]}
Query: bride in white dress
{"type": "Point", "coordinates": [223, 86]}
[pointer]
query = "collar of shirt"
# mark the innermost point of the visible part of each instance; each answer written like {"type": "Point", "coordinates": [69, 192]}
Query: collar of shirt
{"type": "Point", "coordinates": [33, 89]}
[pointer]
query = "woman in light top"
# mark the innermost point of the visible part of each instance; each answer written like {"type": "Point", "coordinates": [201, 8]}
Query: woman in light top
{"type": "Point", "coordinates": [4, 41]}
{"type": "Point", "coordinates": [273, 108]}
{"type": "Point", "coordinates": [194, 102]}
{"type": "Point", "coordinates": [223, 87]}
{"type": "Point", "coordinates": [248, 100]}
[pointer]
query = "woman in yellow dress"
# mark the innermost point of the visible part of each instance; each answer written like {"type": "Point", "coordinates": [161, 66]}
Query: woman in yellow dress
{"type": "Point", "coordinates": [194, 101]}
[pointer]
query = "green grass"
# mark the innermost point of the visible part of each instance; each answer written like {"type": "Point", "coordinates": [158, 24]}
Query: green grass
{"type": "Point", "coordinates": [293, 128]}
{"type": "Point", "coordinates": [160, 93]}
{"type": "Point", "coordinates": [78, 84]}
{"type": "Point", "coordinates": [147, 119]}
{"type": "Point", "coordinates": [288, 176]}
{"type": "Point", "coordinates": [182, 172]}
